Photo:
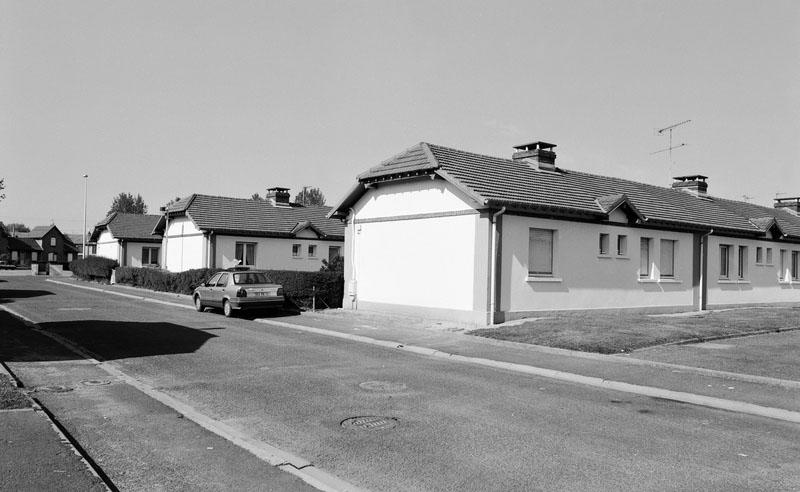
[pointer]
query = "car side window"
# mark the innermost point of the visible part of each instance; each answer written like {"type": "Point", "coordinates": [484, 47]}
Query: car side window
{"type": "Point", "coordinates": [223, 280]}
{"type": "Point", "coordinates": [213, 280]}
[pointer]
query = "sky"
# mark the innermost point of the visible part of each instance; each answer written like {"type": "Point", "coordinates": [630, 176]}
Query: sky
{"type": "Point", "coordinates": [165, 99]}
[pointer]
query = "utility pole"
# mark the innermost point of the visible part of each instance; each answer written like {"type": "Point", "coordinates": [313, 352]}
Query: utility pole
{"type": "Point", "coordinates": [85, 196]}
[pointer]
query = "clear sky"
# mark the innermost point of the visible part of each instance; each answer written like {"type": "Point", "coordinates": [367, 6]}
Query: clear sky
{"type": "Point", "coordinates": [168, 98]}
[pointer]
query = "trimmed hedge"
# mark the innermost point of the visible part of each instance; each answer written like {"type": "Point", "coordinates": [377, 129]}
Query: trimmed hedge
{"type": "Point", "coordinates": [93, 267]}
{"type": "Point", "coordinates": [297, 286]}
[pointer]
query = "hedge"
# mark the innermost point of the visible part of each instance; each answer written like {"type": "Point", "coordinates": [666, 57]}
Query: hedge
{"type": "Point", "coordinates": [93, 267]}
{"type": "Point", "coordinates": [297, 286]}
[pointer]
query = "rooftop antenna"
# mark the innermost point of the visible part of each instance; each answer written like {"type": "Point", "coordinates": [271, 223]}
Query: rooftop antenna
{"type": "Point", "coordinates": [669, 129]}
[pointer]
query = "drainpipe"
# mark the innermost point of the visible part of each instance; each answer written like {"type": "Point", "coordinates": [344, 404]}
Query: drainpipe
{"type": "Point", "coordinates": [352, 288]}
{"type": "Point", "coordinates": [493, 266]}
{"type": "Point", "coordinates": [704, 269]}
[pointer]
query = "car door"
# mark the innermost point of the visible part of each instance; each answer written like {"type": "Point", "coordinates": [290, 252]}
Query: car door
{"type": "Point", "coordinates": [206, 292]}
{"type": "Point", "coordinates": [218, 291]}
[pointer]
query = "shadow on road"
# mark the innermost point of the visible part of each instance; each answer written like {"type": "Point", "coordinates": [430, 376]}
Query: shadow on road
{"type": "Point", "coordinates": [106, 340]}
{"type": "Point", "coordinates": [8, 295]}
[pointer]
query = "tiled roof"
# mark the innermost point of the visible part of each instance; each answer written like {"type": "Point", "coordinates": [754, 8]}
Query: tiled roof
{"type": "Point", "coordinates": [37, 232]}
{"type": "Point", "coordinates": [254, 217]}
{"type": "Point", "coordinates": [30, 242]}
{"type": "Point", "coordinates": [496, 182]}
{"type": "Point", "coordinates": [131, 227]}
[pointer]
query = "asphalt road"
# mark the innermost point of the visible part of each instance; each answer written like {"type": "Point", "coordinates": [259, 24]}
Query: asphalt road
{"type": "Point", "coordinates": [457, 427]}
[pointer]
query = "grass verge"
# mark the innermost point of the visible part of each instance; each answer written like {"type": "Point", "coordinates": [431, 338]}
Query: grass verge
{"type": "Point", "coordinates": [11, 397]}
{"type": "Point", "coordinates": [609, 332]}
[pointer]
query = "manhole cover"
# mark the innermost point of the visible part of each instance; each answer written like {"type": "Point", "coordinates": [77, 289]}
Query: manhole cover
{"type": "Point", "coordinates": [95, 382]}
{"type": "Point", "coordinates": [370, 423]}
{"type": "Point", "coordinates": [387, 386]}
{"type": "Point", "coordinates": [51, 389]}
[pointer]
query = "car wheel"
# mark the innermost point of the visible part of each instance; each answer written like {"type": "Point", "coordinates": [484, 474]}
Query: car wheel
{"type": "Point", "coordinates": [226, 308]}
{"type": "Point", "coordinates": [198, 304]}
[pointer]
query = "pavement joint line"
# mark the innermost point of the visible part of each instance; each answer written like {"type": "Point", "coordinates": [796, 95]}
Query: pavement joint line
{"type": "Point", "coordinates": [274, 456]}
{"type": "Point", "coordinates": [26, 409]}
{"type": "Point", "coordinates": [680, 396]}
{"type": "Point", "coordinates": [706, 401]}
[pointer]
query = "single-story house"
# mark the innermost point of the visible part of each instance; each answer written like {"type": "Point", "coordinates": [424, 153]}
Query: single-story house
{"type": "Point", "coordinates": [17, 251]}
{"type": "Point", "coordinates": [127, 238]}
{"type": "Point", "coordinates": [203, 231]}
{"type": "Point", "coordinates": [47, 245]}
{"type": "Point", "coordinates": [489, 239]}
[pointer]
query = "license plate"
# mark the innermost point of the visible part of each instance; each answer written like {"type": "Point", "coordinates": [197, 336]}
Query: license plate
{"type": "Point", "coordinates": [260, 294]}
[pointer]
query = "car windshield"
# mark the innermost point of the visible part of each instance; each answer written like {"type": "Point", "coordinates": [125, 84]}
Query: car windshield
{"type": "Point", "coordinates": [251, 278]}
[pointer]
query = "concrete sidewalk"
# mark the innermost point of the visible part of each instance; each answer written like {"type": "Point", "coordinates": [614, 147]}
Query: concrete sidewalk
{"type": "Point", "coordinates": [429, 337]}
{"type": "Point", "coordinates": [34, 453]}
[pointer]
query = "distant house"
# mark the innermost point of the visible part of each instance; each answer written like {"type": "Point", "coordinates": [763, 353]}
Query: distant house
{"type": "Point", "coordinates": [47, 245]}
{"type": "Point", "coordinates": [203, 231]}
{"type": "Point", "coordinates": [127, 238]}
{"type": "Point", "coordinates": [487, 239]}
{"type": "Point", "coordinates": [16, 251]}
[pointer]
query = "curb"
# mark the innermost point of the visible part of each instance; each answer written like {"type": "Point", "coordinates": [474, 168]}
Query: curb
{"type": "Point", "coordinates": [706, 401]}
{"type": "Point", "coordinates": [279, 458]}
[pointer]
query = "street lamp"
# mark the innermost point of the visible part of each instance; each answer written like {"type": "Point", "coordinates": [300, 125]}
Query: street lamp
{"type": "Point", "coordinates": [85, 194]}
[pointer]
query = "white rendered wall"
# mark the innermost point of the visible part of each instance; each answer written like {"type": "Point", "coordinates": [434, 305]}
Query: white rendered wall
{"type": "Point", "coordinates": [108, 246]}
{"type": "Point", "coordinates": [582, 278]}
{"type": "Point", "coordinates": [276, 253]}
{"type": "Point", "coordinates": [418, 261]}
{"type": "Point", "coordinates": [133, 252]}
{"type": "Point", "coordinates": [185, 245]}
{"type": "Point", "coordinates": [760, 284]}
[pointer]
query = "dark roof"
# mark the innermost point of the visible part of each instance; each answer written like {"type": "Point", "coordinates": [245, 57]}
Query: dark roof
{"type": "Point", "coordinates": [245, 216]}
{"type": "Point", "coordinates": [30, 243]}
{"type": "Point", "coordinates": [130, 227]}
{"type": "Point", "coordinates": [37, 232]}
{"type": "Point", "coordinates": [493, 182]}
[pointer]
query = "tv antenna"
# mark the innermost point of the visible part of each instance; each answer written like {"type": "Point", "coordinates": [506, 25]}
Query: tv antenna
{"type": "Point", "coordinates": [669, 129]}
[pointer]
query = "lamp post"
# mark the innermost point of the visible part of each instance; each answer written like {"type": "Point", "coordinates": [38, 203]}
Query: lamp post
{"type": "Point", "coordinates": [85, 194]}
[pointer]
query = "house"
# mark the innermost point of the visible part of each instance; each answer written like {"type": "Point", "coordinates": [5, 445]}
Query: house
{"type": "Point", "coordinates": [203, 231]}
{"type": "Point", "coordinates": [128, 239]}
{"type": "Point", "coordinates": [488, 239]}
{"type": "Point", "coordinates": [16, 251]}
{"type": "Point", "coordinates": [47, 245]}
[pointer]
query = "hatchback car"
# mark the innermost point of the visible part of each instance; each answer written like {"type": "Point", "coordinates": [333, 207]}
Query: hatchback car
{"type": "Point", "coordinates": [235, 290]}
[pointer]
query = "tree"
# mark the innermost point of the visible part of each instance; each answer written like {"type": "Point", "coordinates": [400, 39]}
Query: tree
{"type": "Point", "coordinates": [310, 197]}
{"type": "Point", "coordinates": [335, 265]}
{"type": "Point", "coordinates": [2, 187]}
{"type": "Point", "coordinates": [126, 203]}
{"type": "Point", "coordinates": [17, 227]}
{"type": "Point", "coordinates": [256, 197]}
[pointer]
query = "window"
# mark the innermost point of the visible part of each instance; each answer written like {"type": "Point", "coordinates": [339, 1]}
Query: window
{"type": "Point", "coordinates": [334, 252]}
{"type": "Point", "coordinates": [246, 253]}
{"type": "Point", "coordinates": [14, 256]}
{"type": "Point", "coordinates": [795, 265]}
{"type": "Point", "coordinates": [150, 256]}
{"type": "Point", "coordinates": [667, 258]}
{"type": "Point", "coordinates": [52, 241]}
{"type": "Point", "coordinates": [782, 271]}
{"type": "Point", "coordinates": [724, 260]}
{"type": "Point", "coordinates": [540, 252]}
{"type": "Point", "coordinates": [52, 257]}
{"type": "Point", "coordinates": [644, 257]}
{"type": "Point", "coordinates": [295, 251]}
{"type": "Point", "coordinates": [741, 270]}
{"type": "Point", "coordinates": [604, 241]}
{"type": "Point", "coordinates": [769, 256]}
{"type": "Point", "coordinates": [622, 245]}
{"type": "Point", "coordinates": [34, 256]}
{"type": "Point", "coordinates": [213, 280]}
{"type": "Point", "coordinates": [69, 257]}
{"type": "Point", "coordinates": [759, 255]}
{"type": "Point", "coordinates": [312, 250]}
{"type": "Point", "coordinates": [223, 280]}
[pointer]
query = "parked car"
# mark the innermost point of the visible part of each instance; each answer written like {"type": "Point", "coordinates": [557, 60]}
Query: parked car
{"type": "Point", "coordinates": [237, 289]}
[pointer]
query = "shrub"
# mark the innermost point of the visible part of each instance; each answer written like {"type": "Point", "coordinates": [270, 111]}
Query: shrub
{"type": "Point", "coordinates": [164, 281]}
{"type": "Point", "coordinates": [93, 267]}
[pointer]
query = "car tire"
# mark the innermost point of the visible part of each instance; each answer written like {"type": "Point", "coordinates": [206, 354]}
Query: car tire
{"type": "Point", "coordinates": [226, 309]}
{"type": "Point", "coordinates": [198, 304]}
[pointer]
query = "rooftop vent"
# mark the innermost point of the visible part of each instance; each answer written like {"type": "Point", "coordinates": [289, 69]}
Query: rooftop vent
{"type": "Point", "coordinates": [792, 204]}
{"type": "Point", "coordinates": [278, 197]}
{"type": "Point", "coordinates": [694, 184]}
{"type": "Point", "coordinates": [538, 154]}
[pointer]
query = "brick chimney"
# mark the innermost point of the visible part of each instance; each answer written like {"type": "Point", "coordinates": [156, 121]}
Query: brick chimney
{"type": "Point", "coordinates": [792, 204]}
{"type": "Point", "coordinates": [278, 197]}
{"type": "Point", "coordinates": [694, 184]}
{"type": "Point", "coordinates": [539, 155]}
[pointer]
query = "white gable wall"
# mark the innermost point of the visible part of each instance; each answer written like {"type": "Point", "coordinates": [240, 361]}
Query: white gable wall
{"type": "Point", "coordinates": [584, 279]}
{"type": "Point", "coordinates": [108, 246]}
{"type": "Point", "coordinates": [185, 246]}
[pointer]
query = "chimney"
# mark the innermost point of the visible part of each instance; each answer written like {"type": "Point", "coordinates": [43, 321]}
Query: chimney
{"type": "Point", "coordinates": [278, 197]}
{"type": "Point", "coordinates": [694, 184]}
{"type": "Point", "coordinates": [538, 155]}
{"type": "Point", "coordinates": [792, 204]}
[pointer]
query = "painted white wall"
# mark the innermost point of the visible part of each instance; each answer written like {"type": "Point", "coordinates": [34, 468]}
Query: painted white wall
{"type": "Point", "coordinates": [185, 245]}
{"type": "Point", "coordinates": [133, 253]}
{"type": "Point", "coordinates": [582, 278]}
{"type": "Point", "coordinates": [276, 253]}
{"type": "Point", "coordinates": [760, 283]}
{"type": "Point", "coordinates": [421, 196]}
{"type": "Point", "coordinates": [108, 246]}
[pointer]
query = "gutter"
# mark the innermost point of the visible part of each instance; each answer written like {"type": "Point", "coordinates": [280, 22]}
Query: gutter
{"type": "Point", "coordinates": [493, 266]}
